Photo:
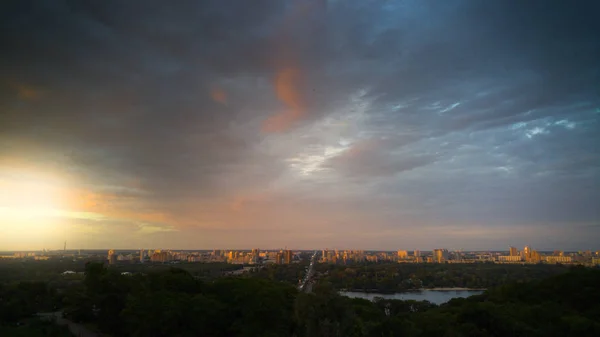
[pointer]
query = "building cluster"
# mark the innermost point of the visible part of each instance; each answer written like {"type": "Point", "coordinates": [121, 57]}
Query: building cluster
{"type": "Point", "coordinates": [347, 256]}
{"type": "Point", "coordinates": [529, 255]}
{"type": "Point", "coordinates": [254, 256]}
{"type": "Point", "coordinates": [401, 256]}
{"type": "Point", "coordinates": [284, 256]}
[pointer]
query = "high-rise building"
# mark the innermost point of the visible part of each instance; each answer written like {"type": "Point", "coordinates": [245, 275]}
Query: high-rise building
{"type": "Point", "coordinates": [440, 255]}
{"type": "Point", "coordinates": [142, 256]}
{"type": "Point", "coordinates": [288, 256]}
{"type": "Point", "coordinates": [526, 253]}
{"type": "Point", "coordinates": [112, 257]}
{"type": "Point", "coordinates": [279, 258]}
{"type": "Point", "coordinates": [535, 256]}
{"type": "Point", "coordinates": [255, 255]}
{"type": "Point", "coordinates": [417, 253]}
{"type": "Point", "coordinates": [402, 254]}
{"type": "Point", "coordinates": [160, 256]}
{"type": "Point", "coordinates": [513, 251]}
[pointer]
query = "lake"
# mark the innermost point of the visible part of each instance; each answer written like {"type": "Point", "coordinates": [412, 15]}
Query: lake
{"type": "Point", "coordinates": [434, 296]}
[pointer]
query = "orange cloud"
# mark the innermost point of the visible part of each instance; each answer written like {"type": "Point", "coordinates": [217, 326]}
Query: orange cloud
{"type": "Point", "coordinates": [286, 88]}
{"type": "Point", "coordinates": [289, 75]}
{"type": "Point", "coordinates": [246, 201]}
{"type": "Point", "coordinates": [113, 206]}
{"type": "Point", "coordinates": [218, 95]}
{"type": "Point", "coordinates": [86, 201]}
{"type": "Point", "coordinates": [27, 92]}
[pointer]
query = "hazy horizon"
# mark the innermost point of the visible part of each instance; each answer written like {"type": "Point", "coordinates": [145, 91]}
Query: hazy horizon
{"type": "Point", "coordinates": [320, 123]}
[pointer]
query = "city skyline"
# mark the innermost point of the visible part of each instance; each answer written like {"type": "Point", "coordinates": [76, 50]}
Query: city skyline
{"type": "Point", "coordinates": [377, 125]}
{"type": "Point", "coordinates": [257, 256]}
{"type": "Point", "coordinates": [510, 249]}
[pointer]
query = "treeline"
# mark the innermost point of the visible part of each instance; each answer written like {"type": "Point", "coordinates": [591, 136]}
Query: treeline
{"type": "Point", "coordinates": [51, 270]}
{"type": "Point", "coordinates": [394, 277]}
{"type": "Point", "coordinates": [35, 328]}
{"type": "Point", "coordinates": [25, 299]}
{"type": "Point", "coordinates": [175, 303]}
{"type": "Point", "coordinates": [289, 273]}
{"type": "Point", "coordinates": [564, 305]}
{"type": "Point", "coordinates": [19, 303]}
{"type": "Point", "coordinates": [398, 277]}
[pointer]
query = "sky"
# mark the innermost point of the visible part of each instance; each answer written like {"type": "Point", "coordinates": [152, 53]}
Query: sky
{"type": "Point", "coordinates": [340, 124]}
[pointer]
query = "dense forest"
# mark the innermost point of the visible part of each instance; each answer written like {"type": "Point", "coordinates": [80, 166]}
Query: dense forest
{"type": "Point", "coordinates": [175, 303]}
{"type": "Point", "coordinates": [51, 270]}
{"type": "Point", "coordinates": [396, 277]}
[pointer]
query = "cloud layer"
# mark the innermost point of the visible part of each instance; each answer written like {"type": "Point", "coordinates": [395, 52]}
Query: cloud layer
{"type": "Point", "coordinates": [341, 124]}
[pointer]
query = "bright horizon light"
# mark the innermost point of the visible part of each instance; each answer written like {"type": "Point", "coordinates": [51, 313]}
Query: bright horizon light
{"type": "Point", "coordinates": [29, 206]}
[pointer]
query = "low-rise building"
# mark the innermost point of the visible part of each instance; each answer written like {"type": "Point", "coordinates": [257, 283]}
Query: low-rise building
{"type": "Point", "coordinates": [509, 259]}
{"type": "Point", "coordinates": [558, 259]}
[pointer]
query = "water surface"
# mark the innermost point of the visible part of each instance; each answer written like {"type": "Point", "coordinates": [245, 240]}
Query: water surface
{"type": "Point", "coordinates": [433, 296]}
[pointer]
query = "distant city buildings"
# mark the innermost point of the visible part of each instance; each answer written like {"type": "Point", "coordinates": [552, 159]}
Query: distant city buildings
{"type": "Point", "coordinates": [509, 259]}
{"type": "Point", "coordinates": [288, 256]}
{"type": "Point", "coordinates": [161, 256]}
{"type": "Point", "coordinates": [440, 255]}
{"type": "Point", "coordinates": [112, 257]}
{"type": "Point", "coordinates": [255, 256]}
{"type": "Point", "coordinates": [526, 253]}
{"type": "Point", "coordinates": [558, 259]}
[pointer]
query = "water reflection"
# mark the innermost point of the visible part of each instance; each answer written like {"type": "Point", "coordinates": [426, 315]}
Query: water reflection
{"type": "Point", "coordinates": [433, 296]}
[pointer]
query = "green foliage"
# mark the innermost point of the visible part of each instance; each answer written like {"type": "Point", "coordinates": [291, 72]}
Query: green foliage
{"type": "Point", "coordinates": [35, 328]}
{"type": "Point", "coordinates": [398, 277]}
{"type": "Point", "coordinates": [289, 273]}
{"type": "Point", "coordinates": [24, 299]}
{"type": "Point", "coordinates": [174, 302]}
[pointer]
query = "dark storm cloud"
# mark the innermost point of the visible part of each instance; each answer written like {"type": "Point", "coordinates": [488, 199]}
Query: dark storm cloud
{"type": "Point", "coordinates": [518, 56]}
{"type": "Point", "coordinates": [463, 110]}
{"type": "Point", "coordinates": [126, 93]}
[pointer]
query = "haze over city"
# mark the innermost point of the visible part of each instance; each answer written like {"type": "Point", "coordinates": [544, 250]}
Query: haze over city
{"type": "Point", "coordinates": [379, 125]}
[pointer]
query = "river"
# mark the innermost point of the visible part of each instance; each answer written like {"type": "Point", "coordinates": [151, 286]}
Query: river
{"type": "Point", "coordinates": [434, 296]}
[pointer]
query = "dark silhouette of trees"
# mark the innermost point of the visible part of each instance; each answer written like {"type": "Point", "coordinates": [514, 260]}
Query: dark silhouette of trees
{"type": "Point", "coordinates": [173, 302]}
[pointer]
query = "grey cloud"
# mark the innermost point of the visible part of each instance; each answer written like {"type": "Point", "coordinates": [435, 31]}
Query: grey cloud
{"type": "Point", "coordinates": [114, 92]}
{"type": "Point", "coordinates": [374, 158]}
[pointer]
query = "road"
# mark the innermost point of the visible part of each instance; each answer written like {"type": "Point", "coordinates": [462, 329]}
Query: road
{"type": "Point", "coordinates": [306, 284]}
